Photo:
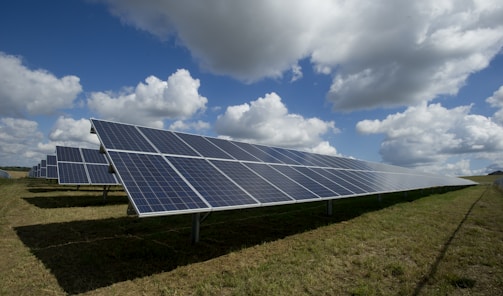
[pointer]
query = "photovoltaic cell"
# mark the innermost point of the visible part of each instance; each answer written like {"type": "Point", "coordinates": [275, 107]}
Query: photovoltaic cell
{"type": "Point", "coordinates": [216, 188]}
{"type": "Point", "coordinates": [93, 156]}
{"type": "Point", "coordinates": [100, 175]}
{"type": "Point", "coordinates": [153, 185]}
{"type": "Point", "coordinates": [257, 186]}
{"type": "Point", "coordinates": [122, 137]}
{"type": "Point", "coordinates": [257, 153]}
{"type": "Point", "coordinates": [167, 142]}
{"type": "Point", "coordinates": [52, 172]}
{"type": "Point", "coordinates": [204, 147]}
{"type": "Point", "coordinates": [71, 173]}
{"type": "Point", "coordinates": [305, 181]}
{"type": "Point", "coordinates": [292, 188]}
{"type": "Point", "coordinates": [70, 154]}
{"type": "Point", "coordinates": [232, 149]}
{"type": "Point", "coordinates": [51, 160]}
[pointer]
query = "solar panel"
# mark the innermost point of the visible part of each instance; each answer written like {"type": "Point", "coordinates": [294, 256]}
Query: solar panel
{"type": "Point", "coordinates": [71, 154]}
{"type": "Point", "coordinates": [51, 160]}
{"type": "Point", "coordinates": [52, 172]}
{"type": "Point", "coordinates": [216, 188]}
{"type": "Point", "coordinates": [166, 172]}
{"type": "Point", "coordinates": [153, 184]}
{"type": "Point", "coordinates": [167, 142]}
{"type": "Point", "coordinates": [83, 166]}
{"type": "Point", "coordinates": [253, 182]}
{"type": "Point", "coordinates": [99, 174]}
{"type": "Point", "coordinates": [93, 156]}
{"type": "Point", "coordinates": [71, 173]}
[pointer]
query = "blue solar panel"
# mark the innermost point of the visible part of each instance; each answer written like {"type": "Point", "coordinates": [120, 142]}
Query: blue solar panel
{"type": "Point", "coordinates": [292, 188]}
{"type": "Point", "coordinates": [203, 146]}
{"type": "Point", "coordinates": [70, 173]}
{"type": "Point", "coordinates": [93, 156]}
{"type": "Point", "coordinates": [52, 172]}
{"type": "Point", "coordinates": [99, 174]}
{"type": "Point", "coordinates": [257, 186]}
{"type": "Point", "coordinates": [257, 153]}
{"type": "Point", "coordinates": [167, 172]}
{"type": "Point", "coordinates": [70, 154]}
{"type": "Point", "coordinates": [232, 149]}
{"type": "Point", "coordinates": [167, 142]}
{"type": "Point", "coordinates": [305, 181]}
{"type": "Point", "coordinates": [51, 160]}
{"type": "Point", "coordinates": [122, 137]}
{"type": "Point", "coordinates": [217, 189]}
{"type": "Point", "coordinates": [328, 183]}
{"type": "Point", "coordinates": [277, 154]}
{"type": "Point", "coordinates": [337, 177]}
{"type": "Point", "coordinates": [153, 185]}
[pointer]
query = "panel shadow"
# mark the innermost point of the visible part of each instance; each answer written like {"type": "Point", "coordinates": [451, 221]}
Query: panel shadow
{"type": "Point", "coordinates": [87, 255]}
{"type": "Point", "coordinates": [52, 202]}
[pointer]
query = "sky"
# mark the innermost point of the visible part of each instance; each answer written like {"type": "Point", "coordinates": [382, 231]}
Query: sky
{"type": "Point", "coordinates": [417, 84]}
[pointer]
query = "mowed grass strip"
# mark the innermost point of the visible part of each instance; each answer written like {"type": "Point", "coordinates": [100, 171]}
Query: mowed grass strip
{"type": "Point", "coordinates": [422, 243]}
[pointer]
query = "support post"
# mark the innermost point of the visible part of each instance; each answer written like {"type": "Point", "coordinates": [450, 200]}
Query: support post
{"type": "Point", "coordinates": [105, 192]}
{"type": "Point", "coordinates": [196, 222]}
{"type": "Point", "coordinates": [330, 209]}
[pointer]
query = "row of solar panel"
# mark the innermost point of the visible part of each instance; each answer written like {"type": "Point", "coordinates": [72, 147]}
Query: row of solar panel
{"type": "Point", "coordinates": [161, 183]}
{"type": "Point", "coordinates": [148, 140]}
{"type": "Point", "coordinates": [157, 184]}
{"type": "Point", "coordinates": [75, 166]}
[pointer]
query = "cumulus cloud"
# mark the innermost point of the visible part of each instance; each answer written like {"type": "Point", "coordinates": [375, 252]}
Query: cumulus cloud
{"type": "Point", "coordinates": [181, 125]}
{"type": "Point", "coordinates": [430, 135]}
{"type": "Point", "coordinates": [73, 132]}
{"type": "Point", "coordinates": [23, 144]}
{"type": "Point", "coordinates": [496, 100]}
{"type": "Point", "coordinates": [19, 140]}
{"type": "Point", "coordinates": [376, 56]}
{"type": "Point", "coordinates": [152, 102]}
{"type": "Point", "coordinates": [267, 121]}
{"type": "Point", "coordinates": [24, 91]}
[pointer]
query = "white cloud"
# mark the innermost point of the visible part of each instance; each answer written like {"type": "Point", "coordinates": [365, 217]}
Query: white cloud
{"type": "Point", "coordinates": [33, 91]}
{"type": "Point", "coordinates": [74, 133]}
{"type": "Point", "coordinates": [18, 142]}
{"type": "Point", "coordinates": [377, 57]}
{"type": "Point", "coordinates": [496, 100]}
{"type": "Point", "coordinates": [180, 125]}
{"type": "Point", "coordinates": [267, 121]}
{"type": "Point", "coordinates": [152, 102]}
{"type": "Point", "coordinates": [431, 135]}
{"type": "Point", "coordinates": [22, 143]}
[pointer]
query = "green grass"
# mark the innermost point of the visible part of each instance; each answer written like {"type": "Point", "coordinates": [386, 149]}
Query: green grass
{"type": "Point", "coordinates": [59, 240]}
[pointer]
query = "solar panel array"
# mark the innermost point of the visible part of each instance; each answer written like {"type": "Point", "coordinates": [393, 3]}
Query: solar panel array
{"type": "Point", "coordinates": [52, 167]}
{"type": "Point", "coordinates": [82, 166]}
{"type": "Point", "coordinates": [165, 172]}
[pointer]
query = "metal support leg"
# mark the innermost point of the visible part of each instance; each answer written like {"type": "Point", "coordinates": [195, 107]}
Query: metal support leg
{"type": "Point", "coordinates": [196, 222]}
{"type": "Point", "coordinates": [330, 209]}
{"type": "Point", "coordinates": [105, 192]}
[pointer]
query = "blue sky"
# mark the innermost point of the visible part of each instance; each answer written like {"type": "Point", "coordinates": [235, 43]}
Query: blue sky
{"type": "Point", "coordinates": [412, 84]}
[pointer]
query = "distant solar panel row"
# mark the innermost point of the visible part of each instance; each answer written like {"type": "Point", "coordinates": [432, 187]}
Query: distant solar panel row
{"type": "Point", "coordinates": [166, 172]}
{"type": "Point", "coordinates": [82, 166]}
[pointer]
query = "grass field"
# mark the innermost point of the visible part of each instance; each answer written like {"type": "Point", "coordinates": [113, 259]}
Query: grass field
{"type": "Point", "coordinates": [57, 240]}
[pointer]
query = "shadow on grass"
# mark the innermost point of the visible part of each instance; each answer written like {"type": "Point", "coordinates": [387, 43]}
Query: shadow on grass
{"type": "Point", "coordinates": [86, 255]}
{"type": "Point", "coordinates": [51, 202]}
